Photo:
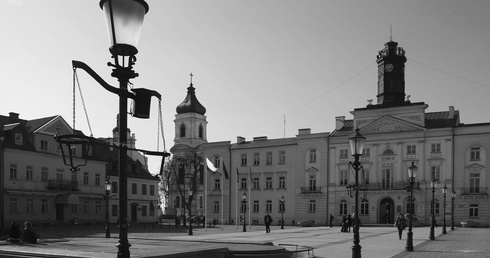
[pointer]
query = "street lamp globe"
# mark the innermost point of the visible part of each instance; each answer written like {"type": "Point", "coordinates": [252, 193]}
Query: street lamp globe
{"type": "Point", "coordinates": [124, 20]}
{"type": "Point", "coordinates": [357, 143]}
{"type": "Point", "coordinates": [108, 186]}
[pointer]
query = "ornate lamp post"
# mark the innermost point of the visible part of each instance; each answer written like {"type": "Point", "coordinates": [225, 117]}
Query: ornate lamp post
{"type": "Point", "coordinates": [282, 211]}
{"type": "Point", "coordinates": [412, 174]}
{"type": "Point", "coordinates": [356, 145]}
{"type": "Point", "coordinates": [244, 207]}
{"type": "Point", "coordinates": [433, 184]}
{"type": "Point", "coordinates": [453, 196]}
{"type": "Point", "coordinates": [190, 216]}
{"type": "Point", "coordinates": [108, 187]}
{"type": "Point", "coordinates": [444, 191]}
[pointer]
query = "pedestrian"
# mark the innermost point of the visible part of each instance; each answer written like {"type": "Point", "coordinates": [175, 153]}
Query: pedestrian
{"type": "Point", "coordinates": [29, 235]}
{"type": "Point", "coordinates": [267, 221]}
{"type": "Point", "coordinates": [400, 224]}
{"type": "Point", "coordinates": [14, 235]}
{"type": "Point", "coordinates": [331, 220]}
{"type": "Point", "coordinates": [349, 222]}
{"type": "Point", "coordinates": [343, 227]}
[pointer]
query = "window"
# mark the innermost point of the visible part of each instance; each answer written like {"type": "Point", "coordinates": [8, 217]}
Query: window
{"type": "Point", "coordinates": [201, 132]}
{"type": "Point", "coordinates": [114, 188]}
{"type": "Point", "coordinates": [86, 208]}
{"type": "Point", "coordinates": [364, 207]}
{"type": "Point", "coordinates": [435, 172]}
{"type": "Point", "coordinates": [366, 152]}
{"type": "Point", "coordinates": [268, 206]}
{"type": "Point", "coordinates": [282, 182]}
{"type": "Point", "coordinates": [312, 206]}
{"type": "Point", "coordinates": [435, 148]}
{"type": "Point", "coordinates": [143, 210]}
{"type": "Point", "coordinates": [182, 130]}
{"type": "Point", "coordinates": [216, 207]}
{"type": "Point", "coordinates": [312, 183]}
{"type": "Point", "coordinates": [411, 149]}
{"type": "Point", "coordinates": [256, 206]}
{"type": "Point", "coordinates": [13, 205]}
{"type": "Point", "coordinates": [44, 174]}
{"type": "Point", "coordinates": [115, 211]}
{"type": "Point", "coordinates": [313, 156]}
{"type": "Point", "coordinates": [344, 153]}
{"type": "Point", "coordinates": [59, 175]}
{"type": "Point", "coordinates": [134, 188]}
{"type": "Point", "coordinates": [256, 183]}
{"type": "Point", "coordinates": [30, 205]}
{"type": "Point", "coordinates": [282, 157]}
{"type": "Point", "coordinates": [74, 176]}
{"type": "Point", "coordinates": [474, 183]}
{"type": "Point", "coordinates": [97, 179]}
{"type": "Point", "coordinates": [201, 202]}
{"type": "Point", "coordinates": [44, 145]}
{"type": "Point", "coordinates": [29, 173]}
{"type": "Point", "coordinates": [98, 207]}
{"type": "Point", "coordinates": [256, 159]}
{"type": "Point", "coordinates": [475, 153]}
{"type": "Point", "coordinates": [410, 206]}
{"type": "Point", "coordinates": [365, 176]}
{"type": "Point", "coordinates": [85, 178]}
{"type": "Point", "coordinates": [243, 183]}
{"type": "Point", "coordinates": [217, 162]}
{"type": "Point", "coordinates": [13, 171]}
{"type": "Point", "coordinates": [244, 159]}
{"type": "Point", "coordinates": [473, 210]}
{"type": "Point", "coordinates": [217, 184]}
{"type": "Point", "coordinates": [144, 189]}
{"type": "Point", "coordinates": [344, 177]}
{"type": "Point", "coordinates": [152, 190]}
{"type": "Point", "coordinates": [387, 178]}
{"type": "Point", "coordinates": [44, 206]}
{"type": "Point", "coordinates": [343, 207]}
{"type": "Point", "coordinates": [268, 158]}
{"type": "Point", "coordinates": [268, 182]}
{"type": "Point", "coordinates": [436, 207]}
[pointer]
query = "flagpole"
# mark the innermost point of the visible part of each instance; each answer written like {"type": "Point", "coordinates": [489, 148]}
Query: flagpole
{"type": "Point", "coordinates": [236, 198]}
{"type": "Point", "coordinates": [249, 203]}
{"type": "Point", "coordinates": [223, 186]}
{"type": "Point", "coordinates": [205, 193]}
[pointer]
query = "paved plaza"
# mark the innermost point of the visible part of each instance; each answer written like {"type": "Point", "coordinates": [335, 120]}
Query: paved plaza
{"type": "Point", "coordinates": [327, 242]}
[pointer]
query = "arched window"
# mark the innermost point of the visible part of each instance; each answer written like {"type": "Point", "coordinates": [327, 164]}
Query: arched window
{"type": "Point", "coordinates": [388, 152]}
{"type": "Point", "coordinates": [201, 132]}
{"type": "Point", "coordinates": [182, 130]}
{"type": "Point", "coordinates": [343, 207]}
{"type": "Point", "coordinates": [364, 207]}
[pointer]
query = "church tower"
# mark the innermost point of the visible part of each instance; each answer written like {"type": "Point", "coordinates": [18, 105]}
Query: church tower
{"type": "Point", "coordinates": [391, 74]}
{"type": "Point", "coordinates": [190, 121]}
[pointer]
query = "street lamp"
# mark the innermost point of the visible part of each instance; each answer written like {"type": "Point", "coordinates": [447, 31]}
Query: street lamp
{"type": "Point", "coordinates": [244, 207]}
{"type": "Point", "coordinates": [108, 187]}
{"type": "Point", "coordinates": [412, 174]}
{"type": "Point", "coordinates": [453, 196]}
{"type": "Point", "coordinates": [444, 191]}
{"type": "Point", "coordinates": [190, 215]}
{"type": "Point", "coordinates": [282, 211]}
{"type": "Point", "coordinates": [433, 184]}
{"type": "Point", "coordinates": [356, 145]}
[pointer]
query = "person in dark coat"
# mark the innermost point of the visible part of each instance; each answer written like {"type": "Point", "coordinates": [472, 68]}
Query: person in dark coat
{"type": "Point", "coordinates": [267, 222]}
{"type": "Point", "coordinates": [331, 219]}
{"type": "Point", "coordinates": [349, 223]}
{"type": "Point", "coordinates": [15, 233]}
{"type": "Point", "coordinates": [29, 235]}
{"type": "Point", "coordinates": [400, 224]}
{"type": "Point", "coordinates": [344, 224]}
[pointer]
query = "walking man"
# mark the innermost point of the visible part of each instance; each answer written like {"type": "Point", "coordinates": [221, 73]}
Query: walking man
{"type": "Point", "coordinates": [400, 225]}
{"type": "Point", "coordinates": [267, 222]}
{"type": "Point", "coordinates": [331, 220]}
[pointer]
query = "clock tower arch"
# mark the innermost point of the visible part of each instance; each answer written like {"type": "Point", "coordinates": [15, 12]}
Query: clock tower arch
{"type": "Point", "coordinates": [391, 74]}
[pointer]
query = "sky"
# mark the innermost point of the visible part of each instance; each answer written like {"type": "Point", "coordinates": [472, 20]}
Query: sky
{"type": "Point", "coordinates": [260, 67]}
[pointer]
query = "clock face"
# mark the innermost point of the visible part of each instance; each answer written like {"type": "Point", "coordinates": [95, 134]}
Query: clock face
{"type": "Point", "coordinates": [380, 69]}
{"type": "Point", "coordinates": [389, 68]}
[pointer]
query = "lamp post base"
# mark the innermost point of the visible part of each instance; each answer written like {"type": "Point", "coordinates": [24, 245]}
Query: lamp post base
{"type": "Point", "coordinates": [444, 231]}
{"type": "Point", "coordinates": [356, 251]}
{"type": "Point", "coordinates": [409, 246]}
{"type": "Point", "coordinates": [123, 249]}
{"type": "Point", "coordinates": [431, 236]}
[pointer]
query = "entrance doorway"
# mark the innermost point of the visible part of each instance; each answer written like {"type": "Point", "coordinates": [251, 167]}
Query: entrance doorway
{"type": "Point", "coordinates": [134, 212]}
{"type": "Point", "coordinates": [59, 212]}
{"type": "Point", "coordinates": [386, 211]}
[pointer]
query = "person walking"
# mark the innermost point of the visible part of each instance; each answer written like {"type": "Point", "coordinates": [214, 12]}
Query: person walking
{"type": "Point", "coordinates": [267, 222]}
{"type": "Point", "coordinates": [15, 233]}
{"type": "Point", "coordinates": [29, 235]}
{"type": "Point", "coordinates": [343, 228]}
{"type": "Point", "coordinates": [400, 224]}
{"type": "Point", "coordinates": [331, 220]}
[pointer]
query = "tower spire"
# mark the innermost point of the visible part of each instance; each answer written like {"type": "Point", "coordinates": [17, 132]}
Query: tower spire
{"type": "Point", "coordinates": [391, 33]}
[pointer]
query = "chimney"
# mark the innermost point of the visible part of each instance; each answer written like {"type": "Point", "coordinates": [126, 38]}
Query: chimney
{"type": "Point", "coordinates": [14, 116]}
{"type": "Point", "coordinates": [451, 112]}
{"type": "Point", "coordinates": [304, 131]}
{"type": "Point", "coordinates": [339, 122]}
{"type": "Point", "coordinates": [240, 139]}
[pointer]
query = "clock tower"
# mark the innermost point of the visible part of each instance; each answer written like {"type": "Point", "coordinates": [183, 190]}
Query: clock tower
{"type": "Point", "coordinates": [391, 74]}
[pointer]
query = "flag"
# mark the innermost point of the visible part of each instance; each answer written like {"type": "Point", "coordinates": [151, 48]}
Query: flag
{"type": "Point", "coordinates": [225, 171]}
{"type": "Point", "coordinates": [237, 176]}
{"type": "Point", "coordinates": [210, 166]}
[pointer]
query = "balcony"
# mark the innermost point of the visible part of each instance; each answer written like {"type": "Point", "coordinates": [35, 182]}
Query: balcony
{"type": "Point", "coordinates": [387, 187]}
{"type": "Point", "coordinates": [307, 190]}
{"type": "Point", "coordinates": [63, 185]}
{"type": "Point", "coordinates": [474, 191]}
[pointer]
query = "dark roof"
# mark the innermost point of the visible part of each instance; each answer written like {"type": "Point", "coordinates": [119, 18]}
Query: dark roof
{"type": "Point", "coordinates": [35, 124]}
{"type": "Point", "coordinates": [264, 143]}
{"type": "Point", "coordinates": [441, 119]}
{"type": "Point", "coordinates": [190, 103]}
{"type": "Point", "coordinates": [346, 130]}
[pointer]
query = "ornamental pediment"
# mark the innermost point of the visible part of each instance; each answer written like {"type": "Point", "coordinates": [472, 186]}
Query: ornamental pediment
{"type": "Point", "coordinates": [389, 124]}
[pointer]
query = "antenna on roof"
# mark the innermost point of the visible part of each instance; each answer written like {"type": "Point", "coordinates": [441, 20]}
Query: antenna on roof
{"type": "Point", "coordinates": [391, 33]}
{"type": "Point", "coordinates": [191, 78]}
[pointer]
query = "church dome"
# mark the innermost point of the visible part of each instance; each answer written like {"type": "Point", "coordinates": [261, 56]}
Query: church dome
{"type": "Point", "coordinates": [190, 103]}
